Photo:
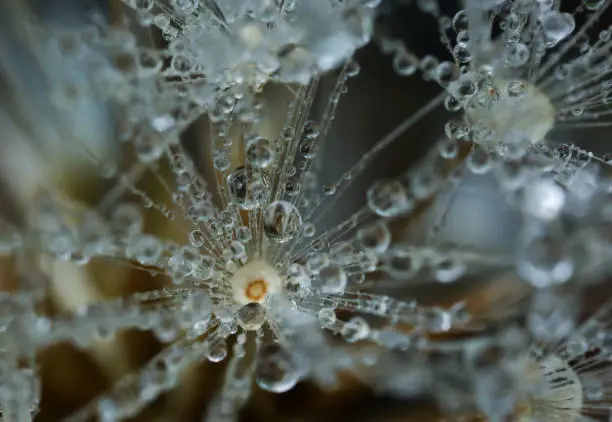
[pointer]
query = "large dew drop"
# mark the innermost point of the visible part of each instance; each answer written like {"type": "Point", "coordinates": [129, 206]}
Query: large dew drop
{"type": "Point", "coordinates": [260, 152]}
{"type": "Point", "coordinates": [247, 190]}
{"type": "Point", "coordinates": [276, 369]}
{"type": "Point", "coordinates": [282, 221]}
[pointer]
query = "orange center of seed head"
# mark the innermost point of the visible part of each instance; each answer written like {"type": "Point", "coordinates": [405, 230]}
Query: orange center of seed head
{"type": "Point", "coordinates": [256, 290]}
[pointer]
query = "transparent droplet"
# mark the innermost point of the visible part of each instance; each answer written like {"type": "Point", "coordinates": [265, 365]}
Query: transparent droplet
{"type": "Point", "coordinates": [243, 234]}
{"type": "Point", "coordinates": [543, 261]}
{"type": "Point", "coordinates": [375, 238]}
{"type": "Point", "coordinates": [401, 262]}
{"type": "Point", "coordinates": [517, 54]}
{"type": "Point", "coordinates": [387, 198]}
{"type": "Point", "coordinates": [460, 21]}
{"type": "Point", "coordinates": [260, 152]}
{"type": "Point", "coordinates": [145, 249]}
{"type": "Point", "coordinates": [405, 63]}
{"type": "Point", "coordinates": [217, 351]}
{"type": "Point", "coordinates": [276, 370]}
{"type": "Point", "coordinates": [543, 199]}
{"type": "Point", "coordinates": [449, 270]}
{"type": "Point", "coordinates": [516, 89]}
{"type": "Point", "coordinates": [355, 329]}
{"type": "Point", "coordinates": [479, 161]}
{"type": "Point", "coordinates": [251, 316]}
{"type": "Point", "coordinates": [556, 26]}
{"type": "Point", "coordinates": [308, 148]}
{"type": "Point", "coordinates": [316, 261]}
{"type": "Point", "coordinates": [282, 221]}
{"type": "Point", "coordinates": [248, 190]}
{"type": "Point", "coordinates": [298, 280]}
{"type": "Point", "coordinates": [448, 148]}
{"type": "Point", "coordinates": [326, 317]}
{"type": "Point", "coordinates": [332, 279]}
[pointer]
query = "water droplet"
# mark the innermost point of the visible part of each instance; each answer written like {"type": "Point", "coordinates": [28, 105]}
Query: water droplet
{"type": "Point", "coordinates": [251, 316]}
{"type": "Point", "coordinates": [405, 63]}
{"type": "Point", "coordinates": [556, 26]}
{"type": "Point", "coordinates": [375, 238]}
{"type": "Point", "coordinates": [355, 329]}
{"type": "Point", "coordinates": [276, 370]}
{"type": "Point", "coordinates": [217, 351]}
{"type": "Point", "coordinates": [298, 280]}
{"type": "Point", "coordinates": [326, 317]}
{"type": "Point", "coordinates": [260, 152]}
{"type": "Point", "coordinates": [248, 190]}
{"type": "Point", "coordinates": [543, 261]}
{"type": "Point", "coordinates": [145, 249]}
{"type": "Point", "coordinates": [331, 279]}
{"type": "Point", "coordinates": [402, 262]}
{"type": "Point", "coordinates": [387, 198]}
{"type": "Point", "coordinates": [282, 221]}
{"type": "Point", "coordinates": [479, 161]}
{"type": "Point", "coordinates": [460, 21]}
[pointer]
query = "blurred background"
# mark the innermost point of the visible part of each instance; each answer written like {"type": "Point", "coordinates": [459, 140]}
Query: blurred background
{"type": "Point", "coordinates": [35, 146]}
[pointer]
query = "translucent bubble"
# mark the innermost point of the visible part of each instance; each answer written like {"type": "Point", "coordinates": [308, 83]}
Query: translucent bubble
{"type": "Point", "coordinates": [298, 280]}
{"type": "Point", "coordinates": [445, 73]}
{"type": "Point", "coordinates": [435, 319]}
{"type": "Point", "coordinates": [448, 148]}
{"type": "Point", "coordinates": [251, 316]}
{"type": "Point", "coordinates": [375, 238]}
{"type": "Point", "coordinates": [217, 351]}
{"type": "Point", "coordinates": [452, 104]}
{"type": "Point", "coordinates": [462, 53]}
{"type": "Point", "coordinates": [462, 89]}
{"type": "Point", "coordinates": [282, 221]}
{"type": "Point", "coordinates": [308, 230]}
{"type": "Point", "coordinates": [202, 211]}
{"type": "Point", "coordinates": [326, 316]}
{"type": "Point", "coordinates": [292, 187]}
{"type": "Point", "coordinates": [517, 54]}
{"type": "Point", "coordinates": [237, 249]}
{"type": "Point", "coordinates": [387, 198]}
{"type": "Point", "coordinates": [479, 161]}
{"type": "Point", "coordinates": [543, 199]}
{"type": "Point", "coordinates": [516, 89]}
{"type": "Point", "coordinates": [221, 162]}
{"type": "Point", "coordinates": [308, 148]}
{"type": "Point", "coordinates": [401, 261]}
{"type": "Point", "coordinates": [144, 5]}
{"type": "Point", "coordinates": [556, 26]}
{"type": "Point", "coordinates": [148, 147]}
{"type": "Point", "coordinates": [247, 190]}
{"type": "Point", "coordinates": [316, 261]}
{"type": "Point", "coordinates": [181, 63]}
{"type": "Point", "coordinates": [127, 219]}
{"type": "Point", "coordinates": [276, 370]}
{"type": "Point", "coordinates": [544, 261]}
{"type": "Point", "coordinates": [355, 329]}
{"type": "Point", "coordinates": [449, 270]}
{"type": "Point", "coordinates": [463, 37]}
{"type": "Point", "coordinates": [243, 234]}
{"type": "Point", "coordinates": [460, 21]}
{"type": "Point", "coordinates": [331, 279]}
{"type": "Point", "coordinates": [145, 249]}
{"type": "Point", "coordinates": [260, 152]}
{"type": "Point", "coordinates": [405, 63]}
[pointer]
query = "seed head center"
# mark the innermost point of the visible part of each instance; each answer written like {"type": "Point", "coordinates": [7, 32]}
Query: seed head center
{"type": "Point", "coordinates": [254, 281]}
{"type": "Point", "coordinates": [256, 290]}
